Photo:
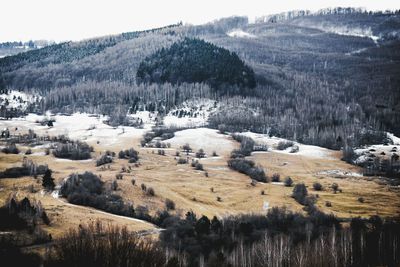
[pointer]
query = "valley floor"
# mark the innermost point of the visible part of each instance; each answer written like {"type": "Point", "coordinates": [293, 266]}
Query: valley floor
{"type": "Point", "coordinates": [188, 188]}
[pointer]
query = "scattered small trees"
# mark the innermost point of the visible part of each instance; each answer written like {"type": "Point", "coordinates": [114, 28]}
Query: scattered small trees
{"type": "Point", "coordinates": [131, 154]}
{"type": "Point", "coordinates": [74, 150]}
{"type": "Point", "coordinates": [48, 180]}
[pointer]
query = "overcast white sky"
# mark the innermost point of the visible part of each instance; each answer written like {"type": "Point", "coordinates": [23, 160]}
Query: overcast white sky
{"type": "Point", "coordinates": [78, 19]}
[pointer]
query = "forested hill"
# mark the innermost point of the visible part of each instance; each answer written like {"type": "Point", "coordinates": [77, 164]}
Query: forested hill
{"type": "Point", "coordinates": [320, 79]}
{"type": "Point", "coordinates": [196, 61]}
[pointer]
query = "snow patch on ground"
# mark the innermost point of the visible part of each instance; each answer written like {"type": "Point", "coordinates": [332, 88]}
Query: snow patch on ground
{"type": "Point", "coordinates": [78, 126]}
{"type": "Point", "coordinates": [208, 139]}
{"type": "Point", "coordinates": [238, 33]}
{"type": "Point", "coordinates": [304, 150]}
{"type": "Point", "coordinates": [340, 173]}
{"type": "Point", "coordinates": [395, 139]}
{"type": "Point", "coordinates": [16, 99]}
{"type": "Point", "coordinates": [351, 31]}
{"type": "Point", "coordinates": [145, 117]}
{"type": "Point", "coordinates": [190, 114]}
{"type": "Point", "coordinates": [370, 153]}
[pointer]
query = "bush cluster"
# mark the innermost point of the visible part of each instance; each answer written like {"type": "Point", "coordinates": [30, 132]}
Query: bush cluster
{"type": "Point", "coordinates": [248, 167]}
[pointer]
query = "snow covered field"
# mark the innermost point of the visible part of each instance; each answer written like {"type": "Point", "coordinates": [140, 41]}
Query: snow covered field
{"type": "Point", "coordinates": [208, 139]}
{"type": "Point", "coordinates": [78, 126]}
{"type": "Point", "coordinates": [304, 150]}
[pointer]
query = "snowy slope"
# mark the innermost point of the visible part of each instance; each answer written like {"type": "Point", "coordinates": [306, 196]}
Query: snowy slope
{"type": "Point", "coordinates": [192, 113]}
{"type": "Point", "coordinates": [78, 126]}
{"type": "Point", "coordinates": [208, 139]}
{"type": "Point", "coordinates": [304, 150]}
{"type": "Point", "coordinates": [240, 34]}
{"type": "Point", "coordinates": [18, 100]}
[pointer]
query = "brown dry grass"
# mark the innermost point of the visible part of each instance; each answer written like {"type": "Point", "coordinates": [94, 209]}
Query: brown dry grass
{"type": "Point", "coordinates": [191, 189]}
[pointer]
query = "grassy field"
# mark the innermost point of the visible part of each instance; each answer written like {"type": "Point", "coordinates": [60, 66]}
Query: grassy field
{"type": "Point", "coordinates": [192, 190]}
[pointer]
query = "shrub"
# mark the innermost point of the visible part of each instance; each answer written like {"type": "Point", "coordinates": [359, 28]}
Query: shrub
{"type": "Point", "coordinates": [200, 154]}
{"type": "Point", "coordinates": [47, 180]}
{"type": "Point", "coordinates": [262, 192]}
{"type": "Point", "coordinates": [328, 204]}
{"type": "Point", "coordinates": [300, 193]}
{"type": "Point", "coordinates": [276, 177]}
{"type": "Point", "coordinates": [187, 149]}
{"type": "Point", "coordinates": [10, 149]}
{"type": "Point", "coordinates": [214, 154]}
{"type": "Point", "coordinates": [197, 165]}
{"type": "Point", "coordinates": [150, 191]}
{"type": "Point", "coordinates": [335, 187]}
{"type": "Point", "coordinates": [317, 186]}
{"type": "Point", "coordinates": [104, 159]}
{"type": "Point", "coordinates": [144, 187]}
{"type": "Point", "coordinates": [133, 181]}
{"type": "Point", "coordinates": [219, 199]}
{"type": "Point", "coordinates": [248, 167]}
{"type": "Point", "coordinates": [114, 185]}
{"type": "Point", "coordinates": [294, 149]}
{"type": "Point", "coordinates": [282, 145]}
{"type": "Point", "coordinates": [361, 199]}
{"type": "Point", "coordinates": [182, 161]}
{"type": "Point", "coordinates": [119, 176]}
{"type": "Point", "coordinates": [288, 181]}
{"type": "Point", "coordinates": [161, 152]}
{"type": "Point", "coordinates": [28, 151]}
{"type": "Point", "coordinates": [130, 154]}
{"type": "Point", "coordinates": [169, 204]}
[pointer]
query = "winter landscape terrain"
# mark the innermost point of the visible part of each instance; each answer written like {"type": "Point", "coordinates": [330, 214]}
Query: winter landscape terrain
{"type": "Point", "coordinates": [232, 143]}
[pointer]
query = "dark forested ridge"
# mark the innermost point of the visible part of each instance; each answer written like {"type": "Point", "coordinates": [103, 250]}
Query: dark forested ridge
{"type": "Point", "coordinates": [196, 61]}
{"type": "Point", "coordinates": [320, 78]}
